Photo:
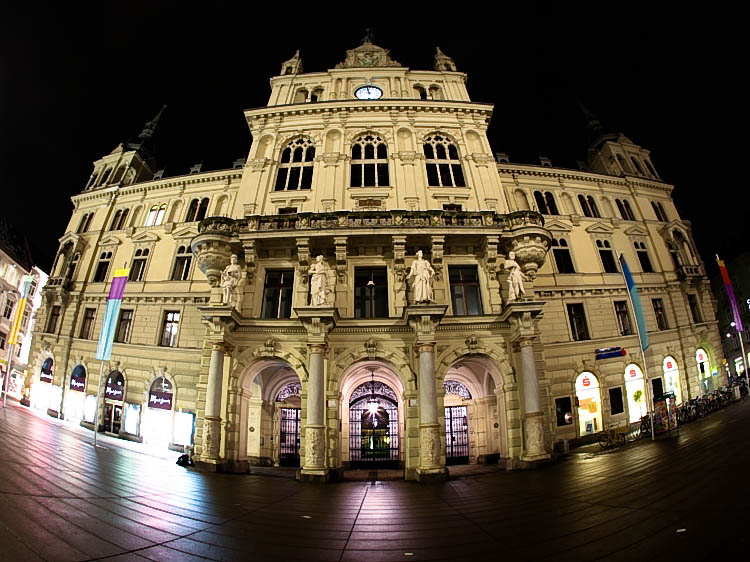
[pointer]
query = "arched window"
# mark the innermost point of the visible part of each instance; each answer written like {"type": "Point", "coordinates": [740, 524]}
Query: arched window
{"type": "Point", "coordinates": [84, 224]}
{"type": "Point", "coordinates": [642, 253]}
{"type": "Point", "coordinates": [115, 220]}
{"type": "Point", "coordinates": [296, 166]}
{"type": "Point", "coordinates": [202, 209]}
{"type": "Point", "coordinates": [650, 168]}
{"type": "Point", "coordinates": [92, 179]}
{"type": "Point", "coordinates": [561, 253]}
{"type": "Point", "coordinates": [192, 210]}
{"type": "Point", "coordinates": [181, 271]}
{"type": "Point", "coordinates": [160, 394]}
{"type": "Point", "coordinates": [635, 389]}
{"type": "Point", "coordinates": [456, 387]}
{"type": "Point", "coordinates": [435, 93]}
{"type": "Point", "coordinates": [72, 265]}
{"type": "Point", "coordinates": [105, 176]}
{"type": "Point", "coordinates": [156, 215]}
{"type": "Point", "coordinates": [623, 163]}
{"type": "Point", "coordinates": [102, 268]}
{"type": "Point", "coordinates": [672, 377]}
{"type": "Point", "coordinates": [138, 268]}
{"type": "Point", "coordinates": [628, 210]}
{"type": "Point", "coordinates": [370, 162]}
{"type": "Point", "coordinates": [589, 401]}
{"type": "Point", "coordinates": [637, 164]}
{"type": "Point", "coordinates": [119, 173]}
{"type": "Point", "coordinates": [592, 205]}
{"type": "Point", "coordinates": [300, 96]}
{"type": "Point", "coordinates": [522, 203]}
{"type": "Point", "coordinates": [704, 369]}
{"type": "Point", "coordinates": [443, 163]}
{"type": "Point", "coordinates": [421, 92]}
{"type": "Point", "coordinates": [546, 203]}
{"type": "Point", "coordinates": [607, 256]}
{"type": "Point", "coordinates": [585, 206]}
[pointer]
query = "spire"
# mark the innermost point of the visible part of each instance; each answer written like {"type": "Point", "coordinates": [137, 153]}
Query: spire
{"type": "Point", "coordinates": [597, 133]}
{"type": "Point", "coordinates": [292, 66]}
{"type": "Point", "coordinates": [145, 141]}
{"type": "Point", "coordinates": [443, 63]}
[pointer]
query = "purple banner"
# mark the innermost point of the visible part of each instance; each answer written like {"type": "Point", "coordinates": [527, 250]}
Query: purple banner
{"type": "Point", "coordinates": [117, 288]}
{"type": "Point", "coordinates": [161, 400]}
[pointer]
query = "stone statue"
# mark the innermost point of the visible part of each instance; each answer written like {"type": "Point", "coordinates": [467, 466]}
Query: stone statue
{"type": "Point", "coordinates": [516, 277]}
{"type": "Point", "coordinates": [422, 272]}
{"type": "Point", "coordinates": [230, 279]}
{"type": "Point", "coordinates": [319, 282]}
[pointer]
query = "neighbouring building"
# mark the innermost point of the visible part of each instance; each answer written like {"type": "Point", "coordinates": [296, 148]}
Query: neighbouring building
{"type": "Point", "coordinates": [739, 275]}
{"type": "Point", "coordinates": [281, 357]}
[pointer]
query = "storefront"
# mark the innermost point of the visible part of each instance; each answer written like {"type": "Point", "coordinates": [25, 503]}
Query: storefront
{"type": "Point", "coordinates": [114, 395]}
{"type": "Point", "coordinates": [635, 389]}
{"type": "Point", "coordinates": [41, 392]}
{"type": "Point", "coordinates": [75, 398]}
{"type": "Point", "coordinates": [704, 370]}
{"type": "Point", "coordinates": [589, 403]}
{"type": "Point", "coordinates": [158, 417]}
{"type": "Point", "coordinates": [672, 378]}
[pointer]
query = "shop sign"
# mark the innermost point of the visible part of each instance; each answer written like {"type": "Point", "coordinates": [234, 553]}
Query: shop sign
{"type": "Point", "coordinates": [609, 352]}
{"type": "Point", "coordinates": [78, 382]}
{"type": "Point", "coordinates": [113, 392]}
{"type": "Point", "coordinates": [45, 377]}
{"type": "Point", "coordinates": [160, 400]}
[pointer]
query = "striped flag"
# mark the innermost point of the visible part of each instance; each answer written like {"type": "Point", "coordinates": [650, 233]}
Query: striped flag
{"type": "Point", "coordinates": [112, 312]}
{"type": "Point", "coordinates": [18, 318]}
{"type": "Point", "coordinates": [730, 294]}
{"type": "Point", "coordinates": [635, 302]}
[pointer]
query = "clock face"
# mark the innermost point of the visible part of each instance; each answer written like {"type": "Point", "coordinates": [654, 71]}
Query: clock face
{"type": "Point", "coordinates": [368, 92]}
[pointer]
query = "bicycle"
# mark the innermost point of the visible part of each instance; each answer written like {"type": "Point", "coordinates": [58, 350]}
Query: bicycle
{"type": "Point", "coordinates": [612, 437]}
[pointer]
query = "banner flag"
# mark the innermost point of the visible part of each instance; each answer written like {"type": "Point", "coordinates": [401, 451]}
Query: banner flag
{"type": "Point", "coordinates": [20, 307]}
{"type": "Point", "coordinates": [636, 302]}
{"type": "Point", "coordinates": [111, 314]}
{"type": "Point", "coordinates": [730, 294]}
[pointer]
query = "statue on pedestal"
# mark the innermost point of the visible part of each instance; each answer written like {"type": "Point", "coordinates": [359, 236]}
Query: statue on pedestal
{"type": "Point", "coordinates": [319, 282]}
{"type": "Point", "coordinates": [516, 277]}
{"type": "Point", "coordinates": [422, 272]}
{"type": "Point", "coordinates": [230, 279]}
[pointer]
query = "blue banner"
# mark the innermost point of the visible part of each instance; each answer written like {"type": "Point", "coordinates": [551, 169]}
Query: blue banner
{"type": "Point", "coordinates": [109, 325]}
{"type": "Point", "coordinates": [636, 302]}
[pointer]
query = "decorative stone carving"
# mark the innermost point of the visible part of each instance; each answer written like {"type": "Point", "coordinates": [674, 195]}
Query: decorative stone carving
{"type": "Point", "coordinates": [422, 272]}
{"type": "Point", "coordinates": [303, 258]}
{"type": "Point", "coordinates": [437, 253]}
{"type": "Point", "coordinates": [250, 260]}
{"type": "Point", "coordinates": [319, 289]}
{"type": "Point", "coordinates": [490, 253]}
{"type": "Point", "coordinates": [534, 444]}
{"type": "Point", "coordinates": [340, 244]}
{"type": "Point", "coordinates": [429, 446]}
{"type": "Point", "coordinates": [371, 346]}
{"type": "Point", "coordinates": [472, 343]}
{"type": "Point", "coordinates": [399, 253]}
{"type": "Point", "coordinates": [270, 346]}
{"type": "Point", "coordinates": [315, 447]}
{"type": "Point", "coordinates": [516, 278]}
{"type": "Point", "coordinates": [212, 252]}
{"type": "Point", "coordinates": [211, 438]}
{"type": "Point", "coordinates": [230, 280]}
{"type": "Point", "coordinates": [367, 55]}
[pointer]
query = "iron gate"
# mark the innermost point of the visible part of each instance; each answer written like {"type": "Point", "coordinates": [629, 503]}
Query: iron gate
{"type": "Point", "coordinates": [289, 438]}
{"type": "Point", "coordinates": [456, 435]}
{"type": "Point", "coordinates": [373, 434]}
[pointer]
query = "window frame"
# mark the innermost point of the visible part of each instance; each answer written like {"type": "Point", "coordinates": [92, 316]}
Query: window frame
{"type": "Point", "coordinates": [180, 259]}
{"type": "Point", "coordinates": [139, 264]}
{"type": "Point", "coordinates": [436, 165]}
{"type": "Point", "coordinates": [696, 314]}
{"type": "Point", "coordinates": [53, 319]}
{"type": "Point", "coordinates": [371, 303]}
{"type": "Point", "coordinates": [574, 331]}
{"type": "Point", "coordinates": [380, 164]}
{"type": "Point", "coordinates": [660, 312]}
{"type": "Point", "coordinates": [463, 284]}
{"type": "Point", "coordinates": [641, 252]}
{"type": "Point", "coordinates": [128, 326]}
{"type": "Point", "coordinates": [87, 323]}
{"type": "Point", "coordinates": [559, 248]}
{"type": "Point", "coordinates": [622, 316]}
{"type": "Point", "coordinates": [281, 287]}
{"type": "Point", "coordinates": [604, 247]}
{"type": "Point", "coordinates": [167, 339]}
{"type": "Point", "coordinates": [287, 165]}
{"type": "Point", "coordinates": [105, 256]}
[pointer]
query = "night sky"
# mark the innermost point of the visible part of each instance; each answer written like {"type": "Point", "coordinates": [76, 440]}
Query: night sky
{"type": "Point", "coordinates": [75, 82]}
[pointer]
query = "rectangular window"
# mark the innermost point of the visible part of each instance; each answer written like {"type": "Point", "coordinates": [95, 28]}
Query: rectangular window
{"type": "Point", "coordinates": [87, 326]}
{"type": "Point", "coordinates": [564, 411]}
{"type": "Point", "coordinates": [370, 292]}
{"type": "Point", "coordinates": [660, 313]}
{"type": "Point", "coordinates": [54, 318]}
{"type": "Point", "coordinates": [169, 329]}
{"type": "Point", "coordinates": [577, 318]}
{"type": "Point", "coordinates": [623, 318]}
{"type": "Point", "coordinates": [8, 309]}
{"type": "Point", "coordinates": [182, 262]}
{"type": "Point", "coordinates": [646, 266]}
{"type": "Point", "coordinates": [615, 401]}
{"type": "Point", "coordinates": [277, 293]}
{"type": "Point", "coordinates": [561, 254]}
{"type": "Point", "coordinates": [3, 339]}
{"type": "Point", "coordinates": [25, 319]}
{"type": "Point", "coordinates": [138, 269]}
{"type": "Point", "coordinates": [695, 311]}
{"type": "Point", "coordinates": [122, 335]}
{"type": "Point", "coordinates": [102, 268]}
{"type": "Point", "coordinates": [608, 260]}
{"type": "Point", "coordinates": [465, 298]}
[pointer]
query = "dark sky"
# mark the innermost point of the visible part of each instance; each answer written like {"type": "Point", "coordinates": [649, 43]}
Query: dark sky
{"type": "Point", "coordinates": [75, 82]}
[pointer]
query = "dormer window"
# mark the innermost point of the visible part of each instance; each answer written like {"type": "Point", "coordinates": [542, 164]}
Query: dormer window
{"type": "Point", "coordinates": [296, 166]}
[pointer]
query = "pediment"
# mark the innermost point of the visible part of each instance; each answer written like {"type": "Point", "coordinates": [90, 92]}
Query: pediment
{"type": "Point", "coordinates": [70, 237]}
{"type": "Point", "coordinates": [110, 241]}
{"type": "Point", "coordinates": [600, 228]}
{"type": "Point", "coordinates": [673, 225]}
{"type": "Point", "coordinates": [557, 226]}
{"type": "Point", "coordinates": [186, 232]}
{"type": "Point", "coordinates": [147, 237]}
{"type": "Point", "coordinates": [636, 231]}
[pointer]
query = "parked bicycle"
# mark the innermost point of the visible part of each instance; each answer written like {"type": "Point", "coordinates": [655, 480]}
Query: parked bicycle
{"type": "Point", "coordinates": [612, 437]}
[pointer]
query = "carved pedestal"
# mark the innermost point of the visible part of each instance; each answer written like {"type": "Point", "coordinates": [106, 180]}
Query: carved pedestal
{"type": "Point", "coordinates": [211, 439]}
{"type": "Point", "coordinates": [534, 449]}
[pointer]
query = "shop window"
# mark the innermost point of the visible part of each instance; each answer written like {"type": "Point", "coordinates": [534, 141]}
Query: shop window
{"type": "Point", "coordinates": [660, 314]}
{"type": "Point", "coordinates": [577, 318]}
{"type": "Point", "coordinates": [561, 254]}
{"type": "Point", "coordinates": [442, 162]}
{"type": "Point", "coordinates": [564, 411]}
{"type": "Point", "coordinates": [636, 393]}
{"type": "Point", "coordinates": [369, 163]}
{"type": "Point", "coordinates": [182, 262]}
{"type": "Point", "coordinates": [623, 318]}
{"type": "Point", "coordinates": [124, 323]}
{"type": "Point", "coordinates": [296, 166]}
{"type": "Point", "coordinates": [642, 253]}
{"type": "Point", "coordinates": [102, 268]}
{"type": "Point", "coordinates": [169, 328]}
{"type": "Point", "coordinates": [78, 381]}
{"type": "Point", "coordinates": [277, 293]}
{"type": "Point", "coordinates": [138, 269]}
{"type": "Point", "coordinates": [370, 293]}
{"type": "Point", "coordinates": [54, 318]}
{"type": "Point", "coordinates": [695, 311]}
{"type": "Point", "coordinates": [616, 405]}
{"type": "Point", "coordinates": [87, 326]}
{"type": "Point", "coordinates": [545, 202]}
{"type": "Point", "coordinates": [607, 256]}
{"type": "Point", "coordinates": [464, 283]}
{"type": "Point", "coordinates": [588, 401]}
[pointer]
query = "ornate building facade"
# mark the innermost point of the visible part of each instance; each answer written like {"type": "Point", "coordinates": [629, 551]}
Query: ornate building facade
{"type": "Point", "coordinates": [329, 342]}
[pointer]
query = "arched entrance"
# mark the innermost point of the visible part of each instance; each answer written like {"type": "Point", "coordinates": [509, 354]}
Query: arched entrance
{"type": "Point", "coordinates": [289, 414]}
{"type": "Point", "coordinates": [589, 402]}
{"type": "Point", "coordinates": [635, 389]}
{"type": "Point", "coordinates": [373, 426]}
{"type": "Point", "coordinates": [41, 392]}
{"type": "Point", "coordinates": [456, 422]}
{"type": "Point", "coordinates": [704, 370]}
{"type": "Point", "coordinates": [158, 417]}
{"type": "Point", "coordinates": [114, 396]}
{"type": "Point", "coordinates": [672, 378]}
{"type": "Point", "coordinates": [75, 398]}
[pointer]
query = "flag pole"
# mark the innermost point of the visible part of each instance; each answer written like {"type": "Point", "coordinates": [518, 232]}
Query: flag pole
{"type": "Point", "coordinates": [8, 367]}
{"type": "Point", "coordinates": [98, 398]}
{"type": "Point", "coordinates": [636, 308]}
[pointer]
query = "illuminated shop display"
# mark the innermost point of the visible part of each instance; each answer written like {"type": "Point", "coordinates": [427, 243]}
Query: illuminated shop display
{"type": "Point", "coordinates": [704, 370]}
{"type": "Point", "coordinates": [183, 428]}
{"type": "Point", "coordinates": [132, 418]}
{"type": "Point", "coordinates": [74, 400]}
{"type": "Point", "coordinates": [588, 397]}
{"type": "Point", "coordinates": [636, 392]}
{"type": "Point", "coordinates": [672, 378]}
{"type": "Point", "coordinates": [89, 408]}
{"type": "Point", "coordinates": [157, 417]}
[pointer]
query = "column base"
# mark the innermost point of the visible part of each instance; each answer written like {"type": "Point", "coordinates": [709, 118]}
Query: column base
{"type": "Point", "coordinates": [319, 475]}
{"type": "Point", "coordinates": [225, 466]}
{"type": "Point", "coordinates": [432, 475]}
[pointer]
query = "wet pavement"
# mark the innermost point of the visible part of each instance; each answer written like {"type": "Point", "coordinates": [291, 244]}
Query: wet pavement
{"type": "Point", "coordinates": [683, 498]}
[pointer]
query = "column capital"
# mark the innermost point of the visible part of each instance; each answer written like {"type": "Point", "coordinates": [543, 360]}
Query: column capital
{"type": "Point", "coordinates": [426, 347]}
{"type": "Point", "coordinates": [522, 317]}
{"type": "Point", "coordinates": [317, 347]}
{"type": "Point", "coordinates": [318, 321]}
{"type": "Point", "coordinates": [222, 346]}
{"type": "Point", "coordinates": [424, 320]}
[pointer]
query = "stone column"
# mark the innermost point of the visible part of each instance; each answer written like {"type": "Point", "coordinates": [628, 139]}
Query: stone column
{"type": "Point", "coordinates": [212, 419]}
{"type": "Point", "coordinates": [534, 442]}
{"type": "Point", "coordinates": [315, 458]}
{"type": "Point", "coordinates": [429, 429]}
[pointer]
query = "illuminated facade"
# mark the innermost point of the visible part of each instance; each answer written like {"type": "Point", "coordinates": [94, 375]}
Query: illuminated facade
{"type": "Point", "coordinates": [365, 165]}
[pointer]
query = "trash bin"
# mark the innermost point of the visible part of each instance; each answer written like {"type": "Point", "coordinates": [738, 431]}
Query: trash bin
{"type": "Point", "coordinates": [563, 446]}
{"type": "Point", "coordinates": [736, 392]}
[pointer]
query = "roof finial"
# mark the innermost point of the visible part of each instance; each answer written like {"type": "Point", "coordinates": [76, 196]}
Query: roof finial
{"type": "Point", "coordinates": [368, 36]}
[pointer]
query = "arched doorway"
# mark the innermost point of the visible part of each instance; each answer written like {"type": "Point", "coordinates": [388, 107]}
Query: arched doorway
{"type": "Point", "coordinates": [75, 398]}
{"type": "Point", "coordinates": [158, 417]}
{"type": "Point", "coordinates": [114, 396]}
{"type": "Point", "coordinates": [672, 378]}
{"type": "Point", "coordinates": [289, 414]}
{"type": "Point", "coordinates": [704, 370]}
{"type": "Point", "coordinates": [589, 402]}
{"type": "Point", "coordinates": [373, 426]}
{"type": "Point", "coordinates": [456, 422]}
{"type": "Point", "coordinates": [635, 389]}
{"type": "Point", "coordinates": [41, 392]}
